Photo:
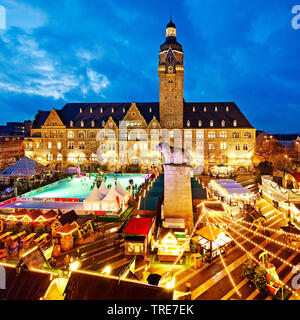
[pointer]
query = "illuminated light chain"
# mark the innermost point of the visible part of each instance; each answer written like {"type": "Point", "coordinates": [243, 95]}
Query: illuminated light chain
{"type": "Point", "coordinates": [267, 238]}
{"type": "Point", "coordinates": [259, 246]}
{"type": "Point", "coordinates": [187, 242]}
{"type": "Point", "coordinates": [223, 262]}
{"type": "Point", "coordinates": [273, 230]}
{"type": "Point", "coordinates": [257, 261]}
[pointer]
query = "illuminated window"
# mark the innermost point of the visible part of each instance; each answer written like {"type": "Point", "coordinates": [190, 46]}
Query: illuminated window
{"type": "Point", "coordinates": [150, 109]}
{"type": "Point", "coordinates": [199, 123]}
{"type": "Point", "coordinates": [112, 109]}
{"type": "Point", "coordinates": [211, 123]}
{"type": "Point", "coordinates": [103, 123]}
{"type": "Point", "coordinates": [223, 134]}
{"type": "Point", "coordinates": [211, 146]}
{"type": "Point", "coordinates": [59, 157]}
{"type": "Point", "coordinates": [71, 157]}
{"type": "Point", "coordinates": [81, 157]}
{"type": "Point", "coordinates": [211, 134]}
{"type": "Point", "coordinates": [188, 123]}
{"type": "Point", "coordinates": [82, 124]}
{"type": "Point", "coordinates": [91, 110]}
{"type": "Point", "coordinates": [49, 145]}
{"type": "Point", "coordinates": [70, 145]}
{"type": "Point", "coordinates": [81, 135]}
{"type": "Point", "coordinates": [223, 146]}
{"type": "Point", "coordinates": [80, 110]}
{"type": "Point", "coordinates": [237, 147]}
{"type": "Point", "coordinates": [92, 135]}
{"type": "Point", "coordinates": [199, 134]}
{"type": "Point", "coordinates": [71, 123]}
{"type": "Point", "coordinates": [188, 134]}
{"type": "Point", "coordinates": [101, 110]}
{"type": "Point", "coordinates": [245, 147]}
{"type": "Point", "coordinates": [204, 108]}
{"type": "Point", "coordinates": [124, 110]}
{"type": "Point", "coordinates": [194, 109]}
{"type": "Point", "coordinates": [49, 157]}
{"type": "Point", "coordinates": [58, 145]}
{"type": "Point", "coordinates": [216, 108]}
{"type": "Point", "coordinates": [235, 135]}
{"type": "Point", "coordinates": [81, 145]}
{"type": "Point", "coordinates": [234, 123]}
{"type": "Point", "coordinates": [93, 124]}
{"type": "Point", "coordinates": [223, 123]}
{"type": "Point", "coordinates": [247, 135]}
{"type": "Point", "coordinates": [227, 108]}
{"type": "Point", "coordinates": [93, 157]}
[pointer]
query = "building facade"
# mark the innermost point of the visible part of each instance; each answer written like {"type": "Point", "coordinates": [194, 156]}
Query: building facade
{"type": "Point", "coordinates": [11, 150]}
{"type": "Point", "coordinates": [119, 135]}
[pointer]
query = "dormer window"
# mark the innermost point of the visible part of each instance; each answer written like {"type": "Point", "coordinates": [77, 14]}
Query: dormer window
{"type": "Point", "coordinates": [112, 110]}
{"type": "Point", "coordinates": [101, 110]}
{"type": "Point", "coordinates": [124, 110]}
{"type": "Point", "coordinates": [216, 108]}
{"type": "Point", "coordinates": [188, 123]}
{"type": "Point", "coordinates": [110, 125]}
{"type": "Point", "coordinates": [227, 108]}
{"type": "Point", "coordinates": [93, 124]}
{"type": "Point", "coordinates": [71, 123]}
{"type": "Point", "coordinates": [199, 123]}
{"type": "Point", "coordinates": [223, 123]}
{"type": "Point", "coordinates": [194, 109]}
{"type": "Point", "coordinates": [150, 109]}
{"type": "Point", "coordinates": [103, 123]}
{"type": "Point", "coordinates": [91, 110]}
{"type": "Point", "coordinates": [211, 123]}
{"type": "Point", "coordinates": [80, 110]}
{"type": "Point", "coordinates": [82, 124]}
{"type": "Point", "coordinates": [204, 108]}
{"type": "Point", "coordinates": [234, 123]}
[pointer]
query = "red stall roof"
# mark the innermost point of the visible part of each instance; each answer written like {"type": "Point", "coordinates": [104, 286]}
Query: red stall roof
{"type": "Point", "coordinates": [138, 226]}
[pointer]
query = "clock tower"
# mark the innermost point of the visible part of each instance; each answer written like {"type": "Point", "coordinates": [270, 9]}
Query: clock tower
{"type": "Point", "coordinates": [171, 76]}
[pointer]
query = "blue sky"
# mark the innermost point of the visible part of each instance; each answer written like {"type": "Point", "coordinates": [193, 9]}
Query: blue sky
{"type": "Point", "coordinates": [59, 51]}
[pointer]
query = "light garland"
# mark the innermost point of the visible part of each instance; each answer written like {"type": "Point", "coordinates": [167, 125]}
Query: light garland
{"type": "Point", "coordinates": [257, 261]}
{"type": "Point", "coordinates": [267, 238]}
{"type": "Point", "coordinates": [224, 264]}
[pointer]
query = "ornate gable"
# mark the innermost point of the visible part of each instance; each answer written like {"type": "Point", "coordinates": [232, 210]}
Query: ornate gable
{"type": "Point", "coordinates": [110, 124]}
{"type": "Point", "coordinates": [135, 118]}
{"type": "Point", "coordinates": [154, 124]}
{"type": "Point", "coordinates": [53, 120]}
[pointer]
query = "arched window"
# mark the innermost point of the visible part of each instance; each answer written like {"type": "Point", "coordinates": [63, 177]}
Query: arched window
{"type": "Point", "coordinates": [93, 124]}
{"type": "Point", "coordinates": [91, 110]}
{"type": "Point", "coordinates": [49, 157]}
{"type": "Point", "coordinates": [103, 123]}
{"type": "Point", "coordinates": [170, 69]}
{"type": "Point", "coordinates": [71, 123]}
{"type": "Point", "coordinates": [199, 123]}
{"type": "Point", "coordinates": [92, 134]}
{"type": "Point", "coordinates": [227, 108]}
{"type": "Point", "coordinates": [223, 123]}
{"type": "Point", "coordinates": [150, 109]}
{"type": "Point", "coordinates": [216, 108]}
{"type": "Point", "coordinates": [112, 110]}
{"type": "Point", "coordinates": [101, 110]}
{"type": "Point", "coordinates": [211, 123]}
{"type": "Point", "coordinates": [82, 124]}
{"type": "Point", "coordinates": [204, 108]}
{"type": "Point", "coordinates": [80, 110]}
{"type": "Point", "coordinates": [194, 109]}
{"type": "Point", "coordinates": [59, 157]}
{"type": "Point", "coordinates": [70, 134]}
{"type": "Point", "coordinates": [188, 123]}
{"type": "Point", "coordinates": [234, 123]}
{"type": "Point", "coordinates": [124, 110]}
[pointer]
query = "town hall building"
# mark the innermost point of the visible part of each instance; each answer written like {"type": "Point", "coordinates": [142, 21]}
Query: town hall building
{"type": "Point", "coordinates": [120, 136]}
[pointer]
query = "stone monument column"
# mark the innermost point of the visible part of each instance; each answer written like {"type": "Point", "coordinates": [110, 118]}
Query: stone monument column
{"type": "Point", "coordinates": [178, 201]}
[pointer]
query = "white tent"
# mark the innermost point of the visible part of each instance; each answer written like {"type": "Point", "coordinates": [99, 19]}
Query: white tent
{"type": "Point", "coordinates": [93, 201]}
{"type": "Point", "coordinates": [121, 190]}
{"type": "Point", "coordinates": [112, 201]}
{"type": "Point", "coordinates": [103, 190]}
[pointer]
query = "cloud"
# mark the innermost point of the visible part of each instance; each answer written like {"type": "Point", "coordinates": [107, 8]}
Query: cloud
{"type": "Point", "coordinates": [98, 81]}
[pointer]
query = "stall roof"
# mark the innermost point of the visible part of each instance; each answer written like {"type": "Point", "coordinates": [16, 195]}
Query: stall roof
{"type": "Point", "coordinates": [68, 217]}
{"type": "Point", "coordinates": [25, 167]}
{"type": "Point", "coordinates": [206, 232]}
{"type": "Point", "coordinates": [87, 286]}
{"type": "Point", "coordinates": [138, 226]}
{"type": "Point", "coordinates": [24, 285]}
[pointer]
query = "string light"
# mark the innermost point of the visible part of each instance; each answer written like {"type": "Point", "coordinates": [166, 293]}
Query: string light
{"type": "Point", "coordinates": [273, 230]}
{"type": "Point", "coordinates": [258, 262]}
{"type": "Point", "coordinates": [267, 238]}
{"type": "Point", "coordinates": [224, 264]}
